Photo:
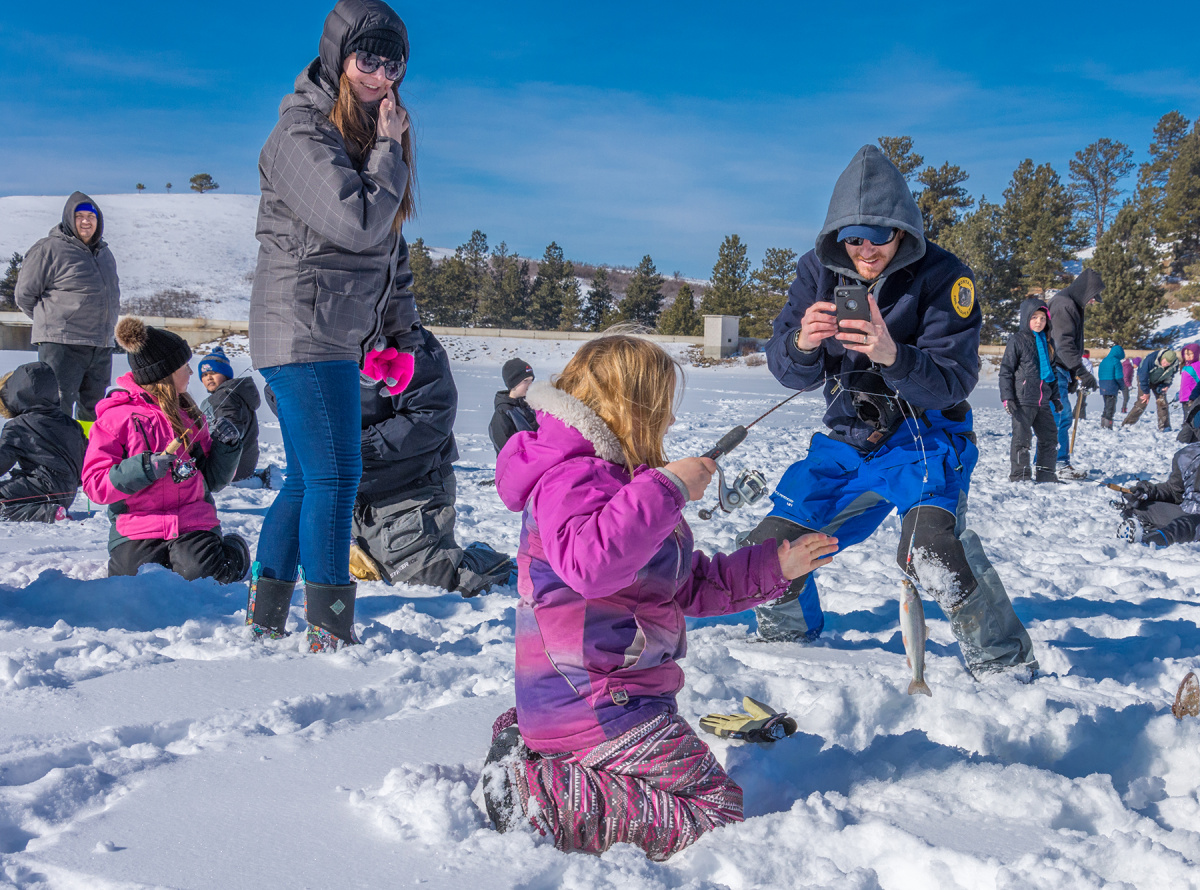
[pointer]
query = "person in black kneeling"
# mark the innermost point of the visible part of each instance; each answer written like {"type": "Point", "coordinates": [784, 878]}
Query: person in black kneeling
{"type": "Point", "coordinates": [513, 414]}
{"type": "Point", "coordinates": [40, 447]}
{"type": "Point", "coordinates": [403, 522]}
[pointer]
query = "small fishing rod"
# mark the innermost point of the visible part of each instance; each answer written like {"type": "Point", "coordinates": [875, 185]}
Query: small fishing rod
{"type": "Point", "coordinates": [750, 485]}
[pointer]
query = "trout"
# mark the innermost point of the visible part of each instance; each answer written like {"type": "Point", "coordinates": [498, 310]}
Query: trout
{"type": "Point", "coordinates": [912, 631]}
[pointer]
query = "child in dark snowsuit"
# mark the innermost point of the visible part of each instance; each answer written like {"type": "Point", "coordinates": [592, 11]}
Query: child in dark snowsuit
{"type": "Point", "coordinates": [1112, 384]}
{"type": "Point", "coordinates": [235, 398]}
{"type": "Point", "coordinates": [1166, 512]}
{"type": "Point", "coordinates": [513, 414]}
{"type": "Point", "coordinates": [40, 447]}
{"type": "Point", "coordinates": [1028, 388]}
{"type": "Point", "coordinates": [606, 574]}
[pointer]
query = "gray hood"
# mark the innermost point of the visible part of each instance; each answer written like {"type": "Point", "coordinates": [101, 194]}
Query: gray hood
{"type": "Point", "coordinates": [1087, 287]}
{"type": "Point", "coordinates": [871, 192]}
{"type": "Point", "coordinates": [68, 220]}
{"type": "Point", "coordinates": [348, 20]}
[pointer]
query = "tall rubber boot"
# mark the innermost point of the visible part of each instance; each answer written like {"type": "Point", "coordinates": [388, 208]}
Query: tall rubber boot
{"type": "Point", "coordinates": [267, 606]}
{"type": "Point", "coordinates": [988, 631]}
{"type": "Point", "coordinates": [330, 610]}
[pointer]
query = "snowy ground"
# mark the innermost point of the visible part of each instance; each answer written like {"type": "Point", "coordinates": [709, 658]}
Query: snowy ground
{"type": "Point", "coordinates": [147, 741]}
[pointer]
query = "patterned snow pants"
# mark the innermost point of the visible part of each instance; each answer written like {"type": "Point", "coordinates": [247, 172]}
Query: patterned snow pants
{"type": "Point", "coordinates": [656, 786]}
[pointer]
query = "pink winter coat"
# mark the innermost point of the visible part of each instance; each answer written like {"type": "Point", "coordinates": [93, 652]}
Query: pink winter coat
{"type": "Point", "coordinates": [1189, 374]}
{"type": "Point", "coordinates": [606, 573]}
{"type": "Point", "coordinates": [128, 424]}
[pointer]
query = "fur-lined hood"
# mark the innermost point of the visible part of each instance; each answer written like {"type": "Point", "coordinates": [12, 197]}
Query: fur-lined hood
{"type": "Point", "coordinates": [567, 429]}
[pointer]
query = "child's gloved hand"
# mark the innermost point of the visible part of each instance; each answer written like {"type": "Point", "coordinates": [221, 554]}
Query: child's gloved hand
{"type": "Point", "coordinates": [807, 552]}
{"type": "Point", "coordinates": [1058, 405]}
{"type": "Point", "coordinates": [391, 367]}
{"type": "Point", "coordinates": [760, 723]}
{"type": "Point", "coordinates": [1008, 407]}
{"type": "Point", "coordinates": [1139, 493]}
{"type": "Point", "coordinates": [157, 464]}
{"type": "Point", "coordinates": [226, 432]}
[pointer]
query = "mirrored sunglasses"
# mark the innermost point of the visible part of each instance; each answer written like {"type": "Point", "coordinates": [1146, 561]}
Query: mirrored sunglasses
{"type": "Point", "coordinates": [369, 63]}
{"type": "Point", "coordinates": [858, 242]}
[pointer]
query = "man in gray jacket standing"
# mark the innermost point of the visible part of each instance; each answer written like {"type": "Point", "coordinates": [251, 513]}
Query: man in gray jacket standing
{"type": "Point", "coordinates": [68, 286]}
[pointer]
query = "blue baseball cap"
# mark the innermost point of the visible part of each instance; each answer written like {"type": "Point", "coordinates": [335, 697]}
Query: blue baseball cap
{"type": "Point", "coordinates": [874, 234]}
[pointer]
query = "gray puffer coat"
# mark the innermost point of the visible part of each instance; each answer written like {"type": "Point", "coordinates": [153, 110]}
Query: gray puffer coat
{"type": "Point", "coordinates": [333, 279]}
{"type": "Point", "coordinates": [70, 289]}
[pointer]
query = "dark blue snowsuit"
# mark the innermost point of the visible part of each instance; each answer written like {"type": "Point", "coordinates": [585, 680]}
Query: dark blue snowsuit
{"type": "Point", "coordinates": [920, 464]}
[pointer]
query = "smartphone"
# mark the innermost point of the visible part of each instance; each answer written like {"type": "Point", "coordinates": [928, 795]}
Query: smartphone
{"type": "Point", "coordinates": [851, 303]}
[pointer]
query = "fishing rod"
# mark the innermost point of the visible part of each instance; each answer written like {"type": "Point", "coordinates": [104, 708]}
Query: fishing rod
{"type": "Point", "coordinates": [750, 485]}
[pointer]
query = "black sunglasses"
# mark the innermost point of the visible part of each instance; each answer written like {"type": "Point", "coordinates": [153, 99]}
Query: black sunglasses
{"type": "Point", "coordinates": [858, 242]}
{"type": "Point", "coordinates": [368, 63]}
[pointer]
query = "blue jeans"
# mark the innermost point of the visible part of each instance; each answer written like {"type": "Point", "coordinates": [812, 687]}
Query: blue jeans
{"type": "Point", "coordinates": [1064, 418]}
{"type": "Point", "coordinates": [308, 525]}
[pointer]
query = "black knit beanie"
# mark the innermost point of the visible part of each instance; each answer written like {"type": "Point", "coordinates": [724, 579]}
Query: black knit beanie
{"type": "Point", "coordinates": [382, 42]}
{"type": "Point", "coordinates": [154, 354]}
{"type": "Point", "coordinates": [516, 370]}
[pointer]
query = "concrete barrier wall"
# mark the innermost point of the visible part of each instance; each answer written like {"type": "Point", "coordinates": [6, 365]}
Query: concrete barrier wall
{"type": "Point", "coordinates": [15, 330]}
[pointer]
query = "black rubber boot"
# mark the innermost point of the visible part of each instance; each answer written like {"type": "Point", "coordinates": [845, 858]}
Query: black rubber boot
{"type": "Point", "coordinates": [330, 607]}
{"type": "Point", "coordinates": [267, 607]}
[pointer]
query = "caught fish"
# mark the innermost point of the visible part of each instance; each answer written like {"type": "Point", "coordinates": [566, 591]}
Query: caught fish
{"type": "Point", "coordinates": [912, 630]}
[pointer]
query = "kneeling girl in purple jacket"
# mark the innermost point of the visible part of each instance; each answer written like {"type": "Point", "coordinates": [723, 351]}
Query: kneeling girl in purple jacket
{"type": "Point", "coordinates": [606, 575]}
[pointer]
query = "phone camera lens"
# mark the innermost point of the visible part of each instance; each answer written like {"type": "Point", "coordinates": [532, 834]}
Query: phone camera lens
{"type": "Point", "coordinates": [852, 305]}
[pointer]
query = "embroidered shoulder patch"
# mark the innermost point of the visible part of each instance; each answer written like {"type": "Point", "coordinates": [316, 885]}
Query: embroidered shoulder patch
{"type": "Point", "coordinates": [962, 295]}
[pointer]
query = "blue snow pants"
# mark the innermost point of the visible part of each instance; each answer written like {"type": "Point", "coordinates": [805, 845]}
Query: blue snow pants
{"type": "Point", "coordinates": [924, 472]}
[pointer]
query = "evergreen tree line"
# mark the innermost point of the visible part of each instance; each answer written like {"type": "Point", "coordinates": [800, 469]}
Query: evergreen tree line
{"type": "Point", "coordinates": [1023, 245]}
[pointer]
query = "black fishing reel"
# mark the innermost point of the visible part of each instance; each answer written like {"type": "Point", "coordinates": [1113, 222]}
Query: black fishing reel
{"type": "Point", "coordinates": [182, 469]}
{"type": "Point", "coordinates": [748, 487]}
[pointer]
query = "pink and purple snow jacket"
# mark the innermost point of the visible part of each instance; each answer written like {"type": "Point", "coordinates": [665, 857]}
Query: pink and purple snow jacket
{"type": "Point", "coordinates": [606, 574]}
{"type": "Point", "coordinates": [1189, 374]}
{"type": "Point", "coordinates": [128, 425]}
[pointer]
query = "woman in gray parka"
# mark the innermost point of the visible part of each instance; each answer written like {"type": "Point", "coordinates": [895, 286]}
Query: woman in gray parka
{"type": "Point", "coordinates": [332, 293]}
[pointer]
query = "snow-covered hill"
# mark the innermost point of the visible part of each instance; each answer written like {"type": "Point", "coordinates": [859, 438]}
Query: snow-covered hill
{"type": "Point", "coordinates": [147, 741]}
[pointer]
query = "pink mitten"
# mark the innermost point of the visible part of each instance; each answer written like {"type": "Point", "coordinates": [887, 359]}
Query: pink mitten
{"type": "Point", "coordinates": [391, 367]}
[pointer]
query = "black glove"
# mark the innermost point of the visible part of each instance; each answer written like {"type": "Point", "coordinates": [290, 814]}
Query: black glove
{"type": "Point", "coordinates": [1139, 494]}
{"type": "Point", "coordinates": [1058, 406]}
{"type": "Point", "coordinates": [1087, 380]}
{"type": "Point", "coordinates": [226, 432]}
{"type": "Point", "coordinates": [1008, 406]}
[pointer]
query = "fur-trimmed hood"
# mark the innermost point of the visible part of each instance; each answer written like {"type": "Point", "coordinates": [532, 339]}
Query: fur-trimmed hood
{"type": "Point", "coordinates": [567, 429]}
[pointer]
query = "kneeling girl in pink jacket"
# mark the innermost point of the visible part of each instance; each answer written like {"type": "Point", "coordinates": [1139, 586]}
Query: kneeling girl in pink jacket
{"type": "Point", "coordinates": [152, 459]}
{"type": "Point", "coordinates": [606, 574]}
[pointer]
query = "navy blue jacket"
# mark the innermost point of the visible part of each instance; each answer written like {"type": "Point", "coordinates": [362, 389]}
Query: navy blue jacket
{"type": "Point", "coordinates": [1155, 379]}
{"type": "Point", "coordinates": [926, 296]}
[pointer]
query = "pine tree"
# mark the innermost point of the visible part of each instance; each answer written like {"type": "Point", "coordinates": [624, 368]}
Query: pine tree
{"type": "Point", "coordinates": [8, 284]}
{"type": "Point", "coordinates": [642, 302]}
{"type": "Point", "coordinates": [729, 291]}
{"type": "Point", "coordinates": [546, 302]}
{"type": "Point", "coordinates": [169, 187]}
{"type": "Point", "coordinates": [1180, 218]}
{"type": "Point", "coordinates": [1133, 300]}
{"type": "Point", "coordinates": [769, 290]}
{"type": "Point", "coordinates": [681, 317]}
{"type": "Point", "coordinates": [899, 150]}
{"type": "Point", "coordinates": [1170, 130]}
{"type": "Point", "coordinates": [141, 187]}
{"type": "Point", "coordinates": [571, 316]}
{"type": "Point", "coordinates": [507, 300]}
{"type": "Point", "coordinates": [1096, 172]}
{"type": "Point", "coordinates": [202, 183]}
{"type": "Point", "coordinates": [598, 304]}
{"type": "Point", "coordinates": [943, 200]}
{"type": "Point", "coordinates": [426, 284]}
{"type": "Point", "coordinates": [1038, 225]}
{"type": "Point", "coordinates": [977, 239]}
{"type": "Point", "coordinates": [1190, 293]}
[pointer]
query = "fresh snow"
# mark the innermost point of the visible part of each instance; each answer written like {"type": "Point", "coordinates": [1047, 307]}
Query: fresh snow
{"type": "Point", "coordinates": [147, 740]}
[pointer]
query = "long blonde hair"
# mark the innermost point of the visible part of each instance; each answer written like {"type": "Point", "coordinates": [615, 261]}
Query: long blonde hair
{"type": "Point", "coordinates": [175, 405]}
{"type": "Point", "coordinates": [358, 124]}
{"type": "Point", "coordinates": [630, 383]}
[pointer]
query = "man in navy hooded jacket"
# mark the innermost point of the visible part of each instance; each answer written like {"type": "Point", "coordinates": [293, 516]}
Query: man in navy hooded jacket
{"type": "Point", "coordinates": [899, 426]}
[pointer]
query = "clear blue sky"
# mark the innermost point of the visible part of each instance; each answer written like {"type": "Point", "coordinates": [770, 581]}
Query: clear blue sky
{"type": "Point", "coordinates": [617, 129]}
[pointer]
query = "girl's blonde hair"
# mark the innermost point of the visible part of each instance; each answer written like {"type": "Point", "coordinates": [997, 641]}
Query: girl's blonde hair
{"type": "Point", "coordinates": [175, 404]}
{"type": "Point", "coordinates": [630, 383]}
{"type": "Point", "coordinates": [358, 126]}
